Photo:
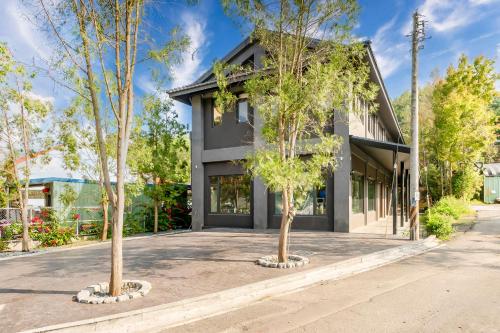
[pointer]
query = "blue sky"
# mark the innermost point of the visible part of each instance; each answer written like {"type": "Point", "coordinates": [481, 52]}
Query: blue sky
{"type": "Point", "coordinates": [456, 26]}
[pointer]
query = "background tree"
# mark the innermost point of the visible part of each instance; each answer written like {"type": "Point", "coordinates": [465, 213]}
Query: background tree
{"type": "Point", "coordinates": [22, 119]}
{"type": "Point", "coordinates": [464, 119]}
{"type": "Point", "coordinates": [107, 32]}
{"type": "Point", "coordinates": [315, 67]}
{"type": "Point", "coordinates": [160, 150]}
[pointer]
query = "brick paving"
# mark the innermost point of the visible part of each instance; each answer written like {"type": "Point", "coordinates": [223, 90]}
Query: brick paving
{"type": "Point", "coordinates": [37, 291]}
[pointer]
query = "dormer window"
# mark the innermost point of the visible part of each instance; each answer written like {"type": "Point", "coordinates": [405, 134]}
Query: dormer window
{"type": "Point", "coordinates": [242, 111]}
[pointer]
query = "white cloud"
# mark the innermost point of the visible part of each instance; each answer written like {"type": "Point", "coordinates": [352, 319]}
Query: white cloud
{"type": "Point", "coordinates": [448, 15]}
{"type": "Point", "coordinates": [191, 67]}
{"type": "Point", "coordinates": [390, 51]}
{"type": "Point", "coordinates": [43, 99]}
{"type": "Point", "coordinates": [21, 34]}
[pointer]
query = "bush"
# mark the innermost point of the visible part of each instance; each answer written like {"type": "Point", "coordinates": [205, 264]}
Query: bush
{"type": "Point", "coordinates": [466, 183]}
{"type": "Point", "coordinates": [11, 231]}
{"type": "Point", "coordinates": [451, 206]}
{"type": "Point", "coordinates": [132, 227]}
{"type": "Point", "coordinates": [4, 245]}
{"type": "Point", "coordinates": [51, 234]}
{"type": "Point", "coordinates": [439, 225]}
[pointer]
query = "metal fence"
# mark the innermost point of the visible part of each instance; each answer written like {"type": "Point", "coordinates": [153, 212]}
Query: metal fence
{"type": "Point", "coordinates": [83, 220]}
{"type": "Point", "coordinates": [9, 215]}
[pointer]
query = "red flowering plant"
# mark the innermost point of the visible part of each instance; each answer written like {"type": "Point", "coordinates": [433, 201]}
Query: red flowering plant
{"type": "Point", "coordinates": [76, 216]}
{"type": "Point", "coordinates": [46, 229]}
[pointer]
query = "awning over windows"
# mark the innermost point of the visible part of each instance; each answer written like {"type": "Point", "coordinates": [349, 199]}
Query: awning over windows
{"type": "Point", "coordinates": [382, 151]}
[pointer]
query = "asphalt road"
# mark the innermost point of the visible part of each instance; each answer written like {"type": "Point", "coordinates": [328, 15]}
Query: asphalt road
{"type": "Point", "coordinates": [455, 288]}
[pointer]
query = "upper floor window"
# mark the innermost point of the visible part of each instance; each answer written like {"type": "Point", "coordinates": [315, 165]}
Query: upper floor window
{"type": "Point", "coordinates": [216, 115]}
{"type": "Point", "coordinates": [242, 111]}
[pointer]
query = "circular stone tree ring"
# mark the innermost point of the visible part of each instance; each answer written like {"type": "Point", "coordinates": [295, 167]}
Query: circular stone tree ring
{"type": "Point", "coordinates": [272, 261]}
{"type": "Point", "coordinates": [99, 293]}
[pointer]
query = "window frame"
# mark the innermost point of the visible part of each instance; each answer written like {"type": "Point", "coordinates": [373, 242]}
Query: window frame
{"type": "Point", "coordinates": [242, 100]}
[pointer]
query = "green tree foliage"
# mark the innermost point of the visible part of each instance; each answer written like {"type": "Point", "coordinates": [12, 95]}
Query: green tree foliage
{"type": "Point", "coordinates": [22, 118]}
{"type": "Point", "coordinates": [159, 152]}
{"type": "Point", "coordinates": [464, 121]}
{"type": "Point", "coordinates": [99, 45]}
{"type": "Point", "coordinates": [314, 67]}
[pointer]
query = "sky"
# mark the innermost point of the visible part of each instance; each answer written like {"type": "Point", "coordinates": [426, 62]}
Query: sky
{"type": "Point", "coordinates": [456, 27]}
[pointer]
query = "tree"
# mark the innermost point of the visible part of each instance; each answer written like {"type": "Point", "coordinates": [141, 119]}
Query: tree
{"type": "Point", "coordinates": [312, 67]}
{"type": "Point", "coordinates": [160, 150]}
{"type": "Point", "coordinates": [22, 117]}
{"type": "Point", "coordinates": [463, 121]}
{"type": "Point", "coordinates": [106, 32]}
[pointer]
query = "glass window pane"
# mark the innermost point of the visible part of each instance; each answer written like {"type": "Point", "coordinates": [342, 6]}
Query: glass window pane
{"type": "Point", "coordinates": [243, 111]}
{"type": "Point", "coordinates": [371, 195]}
{"type": "Point", "coordinates": [304, 203]}
{"type": "Point", "coordinates": [213, 194]}
{"type": "Point", "coordinates": [234, 195]}
{"type": "Point", "coordinates": [278, 204]}
{"type": "Point", "coordinates": [320, 208]}
{"type": "Point", "coordinates": [216, 116]}
{"type": "Point", "coordinates": [243, 195]}
{"type": "Point", "coordinates": [357, 193]}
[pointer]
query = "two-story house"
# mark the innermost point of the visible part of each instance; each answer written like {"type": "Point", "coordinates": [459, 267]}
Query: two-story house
{"type": "Point", "coordinates": [372, 162]}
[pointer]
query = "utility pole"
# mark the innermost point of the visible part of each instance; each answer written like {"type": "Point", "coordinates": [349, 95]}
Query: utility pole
{"type": "Point", "coordinates": [417, 37]}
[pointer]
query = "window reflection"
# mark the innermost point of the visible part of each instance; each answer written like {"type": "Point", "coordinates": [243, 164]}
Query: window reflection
{"type": "Point", "coordinates": [312, 202]}
{"type": "Point", "coordinates": [358, 188]}
{"type": "Point", "coordinates": [230, 194]}
{"type": "Point", "coordinates": [243, 111]}
{"type": "Point", "coordinates": [216, 116]}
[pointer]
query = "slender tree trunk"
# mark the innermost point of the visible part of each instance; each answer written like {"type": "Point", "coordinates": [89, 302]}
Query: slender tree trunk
{"type": "Point", "coordinates": [155, 228]}
{"type": "Point", "coordinates": [26, 243]}
{"type": "Point", "coordinates": [105, 220]}
{"type": "Point", "coordinates": [26, 246]}
{"type": "Point", "coordinates": [284, 228]}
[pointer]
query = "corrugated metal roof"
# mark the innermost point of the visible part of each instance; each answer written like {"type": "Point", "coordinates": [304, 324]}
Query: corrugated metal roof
{"type": "Point", "coordinates": [40, 181]}
{"type": "Point", "coordinates": [491, 170]}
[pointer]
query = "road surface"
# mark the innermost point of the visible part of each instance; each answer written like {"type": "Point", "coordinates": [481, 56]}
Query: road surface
{"type": "Point", "coordinates": [455, 288]}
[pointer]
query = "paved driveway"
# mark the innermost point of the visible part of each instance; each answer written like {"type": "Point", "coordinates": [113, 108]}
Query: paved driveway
{"type": "Point", "coordinates": [37, 291]}
{"type": "Point", "coordinates": [451, 289]}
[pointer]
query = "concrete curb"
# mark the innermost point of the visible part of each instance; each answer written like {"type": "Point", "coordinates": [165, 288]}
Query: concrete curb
{"type": "Point", "coordinates": [125, 239]}
{"type": "Point", "coordinates": [164, 316]}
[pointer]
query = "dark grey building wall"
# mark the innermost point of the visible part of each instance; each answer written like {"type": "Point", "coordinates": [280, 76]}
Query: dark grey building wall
{"type": "Point", "coordinates": [342, 175]}
{"type": "Point", "coordinates": [197, 169]}
{"type": "Point", "coordinates": [229, 133]}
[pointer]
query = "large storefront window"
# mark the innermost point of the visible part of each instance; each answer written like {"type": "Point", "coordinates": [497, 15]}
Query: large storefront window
{"type": "Point", "coordinates": [230, 194]}
{"type": "Point", "coordinates": [312, 202]}
{"type": "Point", "coordinates": [358, 189]}
{"type": "Point", "coordinates": [371, 194]}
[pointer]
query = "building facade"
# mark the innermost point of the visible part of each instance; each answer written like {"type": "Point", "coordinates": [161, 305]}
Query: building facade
{"type": "Point", "coordinates": [370, 177]}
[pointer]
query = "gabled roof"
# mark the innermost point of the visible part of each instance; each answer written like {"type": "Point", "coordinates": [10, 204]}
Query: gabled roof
{"type": "Point", "coordinates": [202, 84]}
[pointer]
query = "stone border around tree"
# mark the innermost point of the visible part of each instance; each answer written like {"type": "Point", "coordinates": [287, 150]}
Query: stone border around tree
{"type": "Point", "coordinates": [272, 261]}
{"type": "Point", "coordinates": [98, 293]}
